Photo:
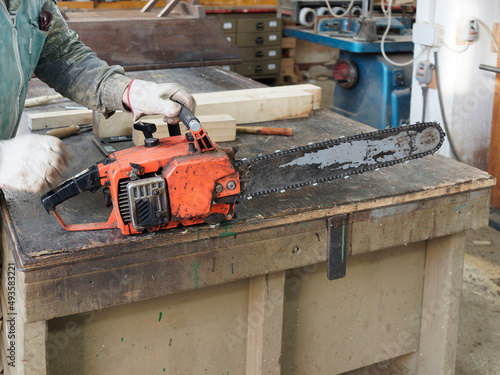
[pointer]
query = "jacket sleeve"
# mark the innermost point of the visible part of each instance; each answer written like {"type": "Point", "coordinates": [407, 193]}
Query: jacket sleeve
{"type": "Point", "coordinates": [74, 70]}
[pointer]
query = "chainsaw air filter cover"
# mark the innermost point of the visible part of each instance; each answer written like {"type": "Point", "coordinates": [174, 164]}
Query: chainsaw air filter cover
{"type": "Point", "coordinates": [148, 202]}
{"type": "Point", "coordinates": [345, 73]}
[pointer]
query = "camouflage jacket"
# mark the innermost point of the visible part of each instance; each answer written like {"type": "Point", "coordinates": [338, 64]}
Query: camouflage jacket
{"type": "Point", "coordinates": [54, 55]}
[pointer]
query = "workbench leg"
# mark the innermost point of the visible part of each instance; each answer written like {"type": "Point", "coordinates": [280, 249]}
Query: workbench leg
{"type": "Point", "coordinates": [440, 307]}
{"type": "Point", "coordinates": [265, 324]}
{"type": "Point", "coordinates": [24, 344]}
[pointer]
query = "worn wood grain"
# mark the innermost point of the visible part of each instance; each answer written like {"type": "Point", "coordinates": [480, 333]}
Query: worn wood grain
{"type": "Point", "coordinates": [59, 119]}
{"type": "Point", "coordinates": [265, 323]}
{"type": "Point", "coordinates": [440, 307]}
{"type": "Point", "coordinates": [138, 40]}
{"type": "Point", "coordinates": [245, 106]}
{"type": "Point", "coordinates": [494, 154]}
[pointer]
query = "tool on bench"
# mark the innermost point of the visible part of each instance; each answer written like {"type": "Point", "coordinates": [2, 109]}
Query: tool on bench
{"type": "Point", "coordinates": [264, 130]}
{"type": "Point", "coordinates": [105, 145]}
{"type": "Point", "coordinates": [69, 130]}
{"type": "Point", "coordinates": [188, 179]}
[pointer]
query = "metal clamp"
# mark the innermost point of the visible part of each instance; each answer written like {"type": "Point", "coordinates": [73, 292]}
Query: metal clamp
{"type": "Point", "coordinates": [338, 245]}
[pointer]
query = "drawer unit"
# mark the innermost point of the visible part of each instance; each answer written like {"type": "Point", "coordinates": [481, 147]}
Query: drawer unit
{"type": "Point", "coordinates": [260, 53]}
{"type": "Point", "coordinates": [259, 68]}
{"type": "Point", "coordinates": [231, 38]}
{"type": "Point", "coordinates": [259, 25]}
{"type": "Point", "coordinates": [258, 37]}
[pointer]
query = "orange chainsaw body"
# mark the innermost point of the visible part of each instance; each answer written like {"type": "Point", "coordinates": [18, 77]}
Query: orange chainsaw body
{"type": "Point", "coordinates": [177, 181]}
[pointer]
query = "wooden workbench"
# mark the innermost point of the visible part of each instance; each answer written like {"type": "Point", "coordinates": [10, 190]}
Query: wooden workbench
{"type": "Point", "coordinates": [251, 296]}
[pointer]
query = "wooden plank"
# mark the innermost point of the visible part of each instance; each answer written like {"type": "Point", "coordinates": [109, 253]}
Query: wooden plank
{"type": "Point", "coordinates": [59, 119]}
{"type": "Point", "coordinates": [168, 8]}
{"type": "Point", "coordinates": [199, 332]}
{"type": "Point", "coordinates": [41, 100]}
{"type": "Point", "coordinates": [221, 128]}
{"type": "Point", "coordinates": [150, 5]}
{"type": "Point", "coordinates": [310, 88]}
{"type": "Point", "coordinates": [494, 155]}
{"type": "Point", "coordinates": [440, 307]}
{"type": "Point", "coordinates": [288, 42]}
{"type": "Point", "coordinates": [262, 248]}
{"type": "Point", "coordinates": [136, 42]}
{"type": "Point", "coordinates": [265, 323]}
{"type": "Point", "coordinates": [26, 347]}
{"type": "Point", "coordinates": [245, 106]}
{"type": "Point", "coordinates": [354, 321]}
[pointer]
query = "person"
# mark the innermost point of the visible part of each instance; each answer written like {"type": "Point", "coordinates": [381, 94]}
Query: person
{"type": "Point", "coordinates": [35, 38]}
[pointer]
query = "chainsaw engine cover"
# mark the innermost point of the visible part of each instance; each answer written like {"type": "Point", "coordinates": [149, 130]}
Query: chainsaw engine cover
{"type": "Point", "coordinates": [195, 183]}
{"type": "Point", "coordinates": [172, 185]}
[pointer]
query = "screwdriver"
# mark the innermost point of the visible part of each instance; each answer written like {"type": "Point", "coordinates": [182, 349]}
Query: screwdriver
{"type": "Point", "coordinates": [69, 130]}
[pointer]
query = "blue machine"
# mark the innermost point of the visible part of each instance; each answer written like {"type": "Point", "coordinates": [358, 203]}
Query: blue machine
{"type": "Point", "coordinates": [369, 89]}
{"type": "Point", "coordinates": [381, 95]}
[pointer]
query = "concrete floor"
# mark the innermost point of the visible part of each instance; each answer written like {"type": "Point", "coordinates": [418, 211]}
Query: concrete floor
{"type": "Point", "coordinates": [479, 326]}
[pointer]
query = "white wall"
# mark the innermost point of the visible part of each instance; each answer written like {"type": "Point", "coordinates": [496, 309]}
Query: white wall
{"type": "Point", "coordinates": [467, 91]}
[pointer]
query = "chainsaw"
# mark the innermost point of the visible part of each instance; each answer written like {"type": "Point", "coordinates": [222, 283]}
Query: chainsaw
{"type": "Point", "coordinates": [188, 179]}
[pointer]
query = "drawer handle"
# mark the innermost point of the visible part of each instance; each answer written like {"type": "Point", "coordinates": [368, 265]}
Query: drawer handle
{"type": "Point", "coordinates": [259, 53]}
{"type": "Point", "coordinates": [258, 69]}
{"type": "Point", "coordinates": [259, 26]}
{"type": "Point", "coordinates": [259, 40]}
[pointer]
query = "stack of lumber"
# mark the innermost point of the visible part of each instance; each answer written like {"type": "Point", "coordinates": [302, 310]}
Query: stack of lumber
{"type": "Point", "coordinates": [219, 112]}
{"type": "Point", "coordinates": [290, 73]}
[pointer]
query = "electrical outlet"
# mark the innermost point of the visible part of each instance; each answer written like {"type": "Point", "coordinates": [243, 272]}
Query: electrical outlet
{"type": "Point", "coordinates": [468, 29]}
{"type": "Point", "coordinates": [424, 72]}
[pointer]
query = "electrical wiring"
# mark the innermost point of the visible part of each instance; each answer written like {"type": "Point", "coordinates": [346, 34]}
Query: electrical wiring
{"type": "Point", "coordinates": [441, 107]}
{"type": "Point", "coordinates": [488, 31]}
{"type": "Point", "coordinates": [382, 42]}
{"type": "Point", "coordinates": [340, 15]}
{"type": "Point", "coordinates": [384, 10]}
{"type": "Point", "coordinates": [456, 50]}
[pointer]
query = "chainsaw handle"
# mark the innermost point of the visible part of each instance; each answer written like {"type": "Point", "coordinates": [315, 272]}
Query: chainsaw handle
{"type": "Point", "coordinates": [190, 120]}
{"type": "Point", "coordinates": [89, 179]}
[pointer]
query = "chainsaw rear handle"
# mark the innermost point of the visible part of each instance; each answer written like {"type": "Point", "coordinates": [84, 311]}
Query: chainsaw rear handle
{"type": "Point", "coordinates": [190, 120]}
{"type": "Point", "coordinates": [89, 179]}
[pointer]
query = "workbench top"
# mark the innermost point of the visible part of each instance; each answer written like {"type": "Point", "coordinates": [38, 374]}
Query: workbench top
{"type": "Point", "coordinates": [40, 242]}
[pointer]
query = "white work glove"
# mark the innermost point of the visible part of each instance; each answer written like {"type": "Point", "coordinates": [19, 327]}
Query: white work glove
{"type": "Point", "coordinates": [32, 162]}
{"type": "Point", "coordinates": [149, 98]}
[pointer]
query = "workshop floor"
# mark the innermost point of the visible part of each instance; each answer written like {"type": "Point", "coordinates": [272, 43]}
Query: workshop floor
{"type": "Point", "coordinates": [479, 325]}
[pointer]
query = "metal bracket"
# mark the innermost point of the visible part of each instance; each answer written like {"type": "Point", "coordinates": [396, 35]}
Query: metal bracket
{"type": "Point", "coordinates": [338, 244]}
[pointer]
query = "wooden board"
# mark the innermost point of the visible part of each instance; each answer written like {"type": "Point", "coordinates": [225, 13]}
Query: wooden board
{"type": "Point", "coordinates": [138, 40]}
{"type": "Point", "coordinates": [245, 106]}
{"type": "Point", "coordinates": [59, 119]}
{"type": "Point", "coordinates": [494, 156]}
{"type": "Point", "coordinates": [221, 128]}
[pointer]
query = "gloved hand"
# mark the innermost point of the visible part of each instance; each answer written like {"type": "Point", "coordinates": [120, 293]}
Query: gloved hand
{"type": "Point", "coordinates": [32, 163]}
{"type": "Point", "coordinates": [149, 98]}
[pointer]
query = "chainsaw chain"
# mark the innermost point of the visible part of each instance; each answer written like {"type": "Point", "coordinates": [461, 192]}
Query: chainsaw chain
{"type": "Point", "coordinates": [247, 163]}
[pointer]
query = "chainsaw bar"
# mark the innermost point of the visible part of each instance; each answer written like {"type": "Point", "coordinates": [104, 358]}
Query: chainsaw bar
{"type": "Point", "coordinates": [337, 158]}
